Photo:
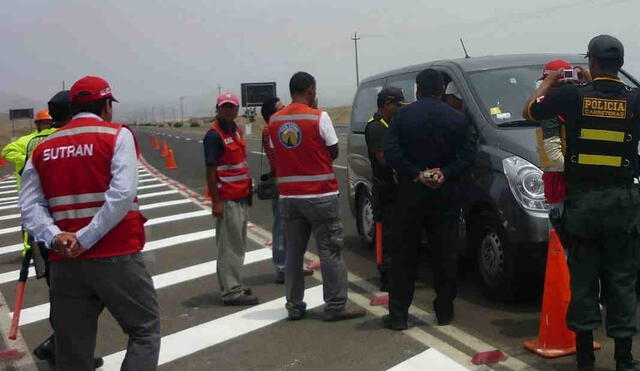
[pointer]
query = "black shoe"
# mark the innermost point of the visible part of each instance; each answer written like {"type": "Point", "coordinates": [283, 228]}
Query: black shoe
{"type": "Point", "coordinates": [585, 355]}
{"type": "Point", "coordinates": [280, 277]}
{"type": "Point", "coordinates": [628, 366]}
{"type": "Point", "coordinates": [98, 362]}
{"type": "Point", "coordinates": [345, 314]}
{"type": "Point", "coordinates": [295, 314]}
{"type": "Point", "coordinates": [46, 351]}
{"type": "Point", "coordinates": [394, 324]}
{"type": "Point", "coordinates": [444, 319]}
{"type": "Point", "coordinates": [244, 299]}
{"type": "Point", "coordinates": [307, 271]}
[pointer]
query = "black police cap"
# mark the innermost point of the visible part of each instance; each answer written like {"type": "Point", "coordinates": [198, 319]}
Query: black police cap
{"type": "Point", "coordinates": [605, 47]}
{"type": "Point", "coordinates": [392, 95]}
{"type": "Point", "coordinates": [60, 106]}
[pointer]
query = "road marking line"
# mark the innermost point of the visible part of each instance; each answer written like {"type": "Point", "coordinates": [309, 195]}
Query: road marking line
{"type": "Point", "coordinates": [8, 186]}
{"type": "Point", "coordinates": [8, 182]}
{"type": "Point", "coordinates": [10, 230]}
{"type": "Point", "coordinates": [187, 139]}
{"type": "Point", "coordinates": [152, 186]}
{"type": "Point", "coordinates": [9, 192]}
{"type": "Point", "coordinates": [339, 166]}
{"type": "Point", "coordinates": [155, 194]}
{"type": "Point", "coordinates": [18, 247]}
{"type": "Point", "coordinates": [41, 312]}
{"type": "Point", "coordinates": [5, 199]}
{"type": "Point", "coordinates": [9, 217]}
{"type": "Point", "coordinates": [208, 334]}
{"type": "Point", "coordinates": [147, 180]}
{"type": "Point", "coordinates": [9, 206]}
{"type": "Point", "coordinates": [172, 218]}
{"type": "Point", "coordinates": [431, 357]}
{"type": "Point", "coordinates": [154, 245]}
{"type": "Point", "coordinates": [261, 236]}
{"type": "Point", "coordinates": [200, 141]}
{"type": "Point", "coordinates": [164, 204]}
{"type": "Point", "coordinates": [258, 153]}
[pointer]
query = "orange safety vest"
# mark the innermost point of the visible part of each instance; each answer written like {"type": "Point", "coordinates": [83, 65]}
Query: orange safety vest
{"type": "Point", "coordinates": [74, 166]}
{"type": "Point", "coordinates": [303, 164]}
{"type": "Point", "coordinates": [232, 170]}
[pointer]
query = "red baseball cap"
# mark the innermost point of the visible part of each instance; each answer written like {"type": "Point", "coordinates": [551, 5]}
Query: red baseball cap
{"type": "Point", "coordinates": [90, 88]}
{"type": "Point", "coordinates": [555, 65]}
{"type": "Point", "coordinates": [227, 98]}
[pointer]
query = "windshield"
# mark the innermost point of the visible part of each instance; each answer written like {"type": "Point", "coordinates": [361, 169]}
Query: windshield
{"type": "Point", "coordinates": [502, 93]}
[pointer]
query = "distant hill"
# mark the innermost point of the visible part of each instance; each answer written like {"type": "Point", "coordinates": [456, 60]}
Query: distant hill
{"type": "Point", "coordinates": [13, 101]}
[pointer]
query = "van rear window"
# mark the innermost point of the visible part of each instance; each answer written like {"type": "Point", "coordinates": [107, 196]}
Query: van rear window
{"type": "Point", "coordinates": [365, 104]}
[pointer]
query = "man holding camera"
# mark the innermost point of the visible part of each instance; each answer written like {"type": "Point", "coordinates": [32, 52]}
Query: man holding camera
{"type": "Point", "coordinates": [431, 145]}
{"type": "Point", "coordinates": [602, 207]}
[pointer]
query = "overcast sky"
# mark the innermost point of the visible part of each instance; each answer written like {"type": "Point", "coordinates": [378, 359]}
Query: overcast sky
{"type": "Point", "coordinates": [154, 51]}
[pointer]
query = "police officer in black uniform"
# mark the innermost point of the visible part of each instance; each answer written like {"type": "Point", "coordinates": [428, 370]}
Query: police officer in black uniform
{"type": "Point", "coordinates": [602, 207]}
{"type": "Point", "coordinates": [430, 145]}
{"type": "Point", "coordinates": [384, 186]}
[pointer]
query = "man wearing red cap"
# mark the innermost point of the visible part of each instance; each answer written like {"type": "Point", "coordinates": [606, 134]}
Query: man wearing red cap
{"type": "Point", "coordinates": [230, 186]}
{"type": "Point", "coordinates": [550, 138]}
{"type": "Point", "coordinates": [79, 198]}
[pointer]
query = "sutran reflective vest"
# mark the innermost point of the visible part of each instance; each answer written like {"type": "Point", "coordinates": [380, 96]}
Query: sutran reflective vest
{"type": "Point", "coordinates": [303, 163]}
{"type": "Point", "coordinates": [602, 146]}
{"type": "Point", "coordinates": [232, 170]}
{"type": "Point", "coordinates": [74, 166]}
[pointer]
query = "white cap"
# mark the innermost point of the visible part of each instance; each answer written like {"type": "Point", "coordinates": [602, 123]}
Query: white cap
{"type": "Point", "coordinates": [452, 89]}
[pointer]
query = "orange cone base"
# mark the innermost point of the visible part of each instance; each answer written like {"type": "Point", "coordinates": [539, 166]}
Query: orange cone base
{"type": "Point", "coordinates": [313, 265]}
{"type": "Point", "coordinates": [379, 299]}
{"type": "Point", "coordinates": [540, 349]}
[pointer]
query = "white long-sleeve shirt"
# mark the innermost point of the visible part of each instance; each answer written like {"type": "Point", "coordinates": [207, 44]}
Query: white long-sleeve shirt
{"type": "Point", "coordinates": [119, 197]}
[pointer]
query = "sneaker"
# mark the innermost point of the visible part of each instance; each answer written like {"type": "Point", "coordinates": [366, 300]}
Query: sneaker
{"type": "Point", "coordinates": [244, 299]}
{"type": "Point", "coordinates": [345, 314]}
{"type": "Point", "coordinates": [628, 366]}
{"type": "Point", "coordinates": [295, 314]}
{"type": "Point", "coordinates": [394, 324]}
{"type": "Point", "coordinates": [280, 277]}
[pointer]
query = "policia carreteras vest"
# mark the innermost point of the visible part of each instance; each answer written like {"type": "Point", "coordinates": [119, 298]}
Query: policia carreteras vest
{"type": "Point", "coordinates": [602, 209]}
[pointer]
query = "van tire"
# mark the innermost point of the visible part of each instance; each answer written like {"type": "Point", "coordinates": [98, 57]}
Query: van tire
{"type": "Point", "coordinates": [364, 212]}
{"type": "Point", "coordinates": [495, 257]}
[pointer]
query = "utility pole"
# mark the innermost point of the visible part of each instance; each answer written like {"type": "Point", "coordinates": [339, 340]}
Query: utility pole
{"type": "Point", "coordinates": [355, 39]}
{"type": "Point", "coordinates": [182, 110]}
{"type": "Point", "coordinates": [63, 85]}
{"type": "Point", "coordinates": [219, 89]}
{"type": "Point", "coordinates": [163, 117]}
{"type": "Point", "coordinates": [153, 116]}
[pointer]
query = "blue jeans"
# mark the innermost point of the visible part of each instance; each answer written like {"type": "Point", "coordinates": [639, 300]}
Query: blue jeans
{"type": "Point", "coordinates": [277, 232]}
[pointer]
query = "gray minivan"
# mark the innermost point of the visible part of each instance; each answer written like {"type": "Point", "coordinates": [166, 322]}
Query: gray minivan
{"type": "Point", "coordinates": [504, 218]}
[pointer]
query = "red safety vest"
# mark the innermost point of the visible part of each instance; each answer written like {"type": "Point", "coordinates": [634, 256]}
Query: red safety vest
{"type": "Point", "coordinates": [232, 170]}
{"type": "Point", "coordinates": [303, 163]}
{"type": "Point", "coordinates": [74, 166]}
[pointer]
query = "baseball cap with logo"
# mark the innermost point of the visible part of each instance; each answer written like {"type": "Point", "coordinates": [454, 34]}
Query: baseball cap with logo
{"type": "Point", "coordinates": [392, 95]}
{"type": "Point", "coordinates": [554, 65]}
{"type": "Point", "coordinates": [90, 88]}
{"type": "Point", "coordinates": [227, 98]}
{"type": "Point", "coordinates": [605, 47]}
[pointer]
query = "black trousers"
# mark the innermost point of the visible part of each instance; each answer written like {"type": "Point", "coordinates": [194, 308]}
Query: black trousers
{"type": "Point", "coordinates": [419, 207]}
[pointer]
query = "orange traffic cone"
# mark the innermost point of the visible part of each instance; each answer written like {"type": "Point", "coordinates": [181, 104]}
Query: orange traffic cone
{"type": "Point", "coordinates": [554, 337]}
{"type": "Point", "coordinates": [171, 161]}
{"type": "Point", "coordinates": [207, 193]}
{"type": "Point", "coordinates": [154, 142]}
{"type": "Point", "coordinates": [3, 162]}
{"type": "Point", "coordinates": [165, 148]}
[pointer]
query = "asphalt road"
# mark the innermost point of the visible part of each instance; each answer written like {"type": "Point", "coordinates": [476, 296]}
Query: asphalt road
{"type": "Point", "coordinates": [201, 334]}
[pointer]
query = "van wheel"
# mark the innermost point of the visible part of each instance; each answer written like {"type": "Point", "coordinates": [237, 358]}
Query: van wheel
{"type": "Point", "coordinates": [495, 257]}
{"type": "Point", "coordinates": [366, 225]}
